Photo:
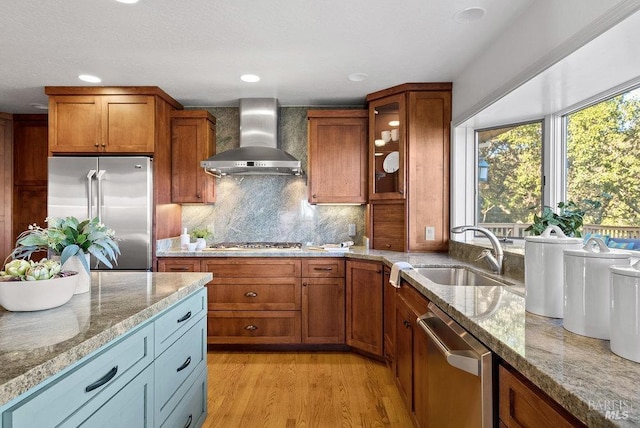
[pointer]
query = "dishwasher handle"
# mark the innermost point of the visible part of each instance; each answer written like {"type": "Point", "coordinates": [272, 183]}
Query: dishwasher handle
{"type": "Point", "coordinates": [465, 360]}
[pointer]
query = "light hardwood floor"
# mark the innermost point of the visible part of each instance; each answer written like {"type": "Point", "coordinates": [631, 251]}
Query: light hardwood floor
{"type": "Point", "coordinates": [298, 389]}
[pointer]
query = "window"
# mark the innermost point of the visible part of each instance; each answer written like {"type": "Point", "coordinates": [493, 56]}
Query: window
{"type": "Point", "coordinates": [603, 163]}
{"type": "Point", "coordinates": [509, 177]}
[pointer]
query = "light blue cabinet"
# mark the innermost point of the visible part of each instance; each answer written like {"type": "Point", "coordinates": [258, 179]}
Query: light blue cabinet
{"type": "Point", "coordinates": [130, 382]}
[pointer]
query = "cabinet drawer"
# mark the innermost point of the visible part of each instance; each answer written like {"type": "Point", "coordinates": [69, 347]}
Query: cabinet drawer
{"type": "Point", "coordinates": [254, 327]}
{"type": "Point", "coordinates": [180, 265]}
{"type": "Point", "coordinates": [178, 319]}
{"type": "Point", "coordinates": [88, 386]}
{"type": "Point", "coordinates": [276, 294]}
{"type": "Point", "coordinates": [252, 267]}
{"type": "Point", "coordinates": [173, 367]}
{"type": "Point", "coordinates": [191, 410]}
{"type": "Point", "coordinates": [130, 408]}
{"type": "Point", "coordinates": [323, 268]}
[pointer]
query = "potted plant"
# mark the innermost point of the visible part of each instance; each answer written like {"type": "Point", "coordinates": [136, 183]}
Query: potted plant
{"type": "Point", "coordinates": [200, 235]}
{"type": "Point", "coordinates": [26, 285]}
{"type": "Point", "coordinates": [569, 218]}
{"type": "Point", "coordinates": [73, 241]}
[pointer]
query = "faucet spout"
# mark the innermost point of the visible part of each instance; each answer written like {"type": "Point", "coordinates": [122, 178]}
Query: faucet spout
{"type": "Point", "coordinates": [494, 261]}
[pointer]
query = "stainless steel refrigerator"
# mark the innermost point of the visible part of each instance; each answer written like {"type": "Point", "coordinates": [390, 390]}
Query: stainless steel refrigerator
{"type": "Point", "coordinates": [117, 190]}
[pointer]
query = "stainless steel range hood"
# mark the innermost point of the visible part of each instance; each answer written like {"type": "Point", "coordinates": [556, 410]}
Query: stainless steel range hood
{"type": "Point", "coordinates": [259, 152]}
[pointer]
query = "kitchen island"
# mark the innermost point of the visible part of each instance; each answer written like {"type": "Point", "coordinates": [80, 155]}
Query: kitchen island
{"type": "Point", "coordinates": [40, 350]}
{"type": "Point", "coordinates": [579, 373]}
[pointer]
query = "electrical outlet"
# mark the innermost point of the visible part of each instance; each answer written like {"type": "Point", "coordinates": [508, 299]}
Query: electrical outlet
{"type": "Point", "coordinates": [430, 233]}
{"type": "Point", "coordinates": [210, 228]}
{"type": "Point", "coordinates": [352, 229]}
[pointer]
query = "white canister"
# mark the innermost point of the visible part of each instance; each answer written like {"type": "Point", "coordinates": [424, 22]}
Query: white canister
{"type": "Point", "coordinates": [625, 311]}
{"type": "Point", "coordinates": [544, 271]}
{"type": "Point", "coordinates": [586, 288]}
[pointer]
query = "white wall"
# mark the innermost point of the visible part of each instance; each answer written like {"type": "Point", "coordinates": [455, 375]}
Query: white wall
{"type": "Point", "coordinates": [545, 33]}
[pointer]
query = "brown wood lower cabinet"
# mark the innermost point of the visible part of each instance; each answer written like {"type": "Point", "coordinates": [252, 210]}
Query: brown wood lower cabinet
{"type": "Point", "coordinates": [389, 317]}
{"type": "Point", "coordinates": [364, 306]}
{"type": "Point", "coordinates": [271, 301]}
{"type": "Point", "coordinates": [410, 363]}
{"type": "Point", "coordinates": [522, 404]}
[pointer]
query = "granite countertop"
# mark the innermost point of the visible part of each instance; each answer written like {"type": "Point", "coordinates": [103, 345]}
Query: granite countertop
{"type": "Point", "coordinates": [580, 373]}
{"type": "Point", "coordinates": [37, 345]}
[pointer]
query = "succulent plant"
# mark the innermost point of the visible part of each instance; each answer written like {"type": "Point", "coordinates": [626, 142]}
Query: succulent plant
{"type": "Point", "coordinates": [28, 270]}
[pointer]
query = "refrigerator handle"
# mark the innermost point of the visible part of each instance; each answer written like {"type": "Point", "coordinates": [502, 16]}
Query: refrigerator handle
{"type": "Point", "coordinates": [99, 175]}
{"type": "Point", "coordinates": [90, 175]}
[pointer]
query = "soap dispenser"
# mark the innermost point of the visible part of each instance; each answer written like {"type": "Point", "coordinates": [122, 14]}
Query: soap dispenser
{"type": "Point", "coordinates": [184, 239]}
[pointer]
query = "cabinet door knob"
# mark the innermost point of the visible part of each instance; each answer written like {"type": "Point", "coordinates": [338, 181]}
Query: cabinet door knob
{"type": "Point", "coordinates": [96, 144]}
{"type": "Point", "coordinates": [189, 420]}
{"type": "Point", "coordinates": [251, 327]}
{"type": "Point", "coordinates": [250, 294]}
{"type": "Point", "coordinates": [104, 379]}
{"type": "Point", "coordinates": [304, 284]}
{"type": "Point", "coordinates": [184, 365]}
{"type": "Point", "coordinates": [184, 317]}
{"type": "Point", "coordinates": [198, 196]}
{"type": "Point", "coordinates": [104, 145]}
{"type": "Point", "coordinates": [314, 196]}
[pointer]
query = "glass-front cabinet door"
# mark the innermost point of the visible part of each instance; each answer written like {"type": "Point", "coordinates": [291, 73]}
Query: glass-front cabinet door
{"type": "Point", "coordinates": [387, 129]}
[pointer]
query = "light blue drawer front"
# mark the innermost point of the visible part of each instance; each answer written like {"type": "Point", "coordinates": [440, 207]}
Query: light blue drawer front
{"type": "Point", "coordinates": [131, 407]}
{"type": "Point", "coordinates": [191, 411]}
{"type": "Point", "coordinates": [90, 384]}
{"type": "Point", "coordinates": [175, 365]}
{"type": "Point", "coordinates": [178, 319]}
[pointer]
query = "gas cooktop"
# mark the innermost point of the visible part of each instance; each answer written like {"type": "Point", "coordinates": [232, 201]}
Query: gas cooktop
{"type": "Point", "coordinates": [256, 246]}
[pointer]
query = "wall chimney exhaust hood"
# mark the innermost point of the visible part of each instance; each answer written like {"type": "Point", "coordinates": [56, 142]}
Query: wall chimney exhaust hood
{"type": "Point", "coordinates": [259, 152]}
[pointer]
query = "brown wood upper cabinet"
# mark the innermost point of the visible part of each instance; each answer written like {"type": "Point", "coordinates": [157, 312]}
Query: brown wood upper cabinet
{"type": "Point", "coordinates": [412, 172]}
{"type": "Point", "coordinates": [337, 156]}
{"type": "Point", "coordinates": [96, 120]}
{"type": "Point", "coordinates": [193, 134]}
{"type": "Point", "coordinates": [387, 124]}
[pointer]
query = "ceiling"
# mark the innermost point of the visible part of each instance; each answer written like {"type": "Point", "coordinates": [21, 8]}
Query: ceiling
{"type": "Point", "coordinates": [609, 63]}
{"type": "Point", "coordinates": [196, 50]}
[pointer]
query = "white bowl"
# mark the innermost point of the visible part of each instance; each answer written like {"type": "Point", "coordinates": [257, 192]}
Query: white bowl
{"type": "Point", "coordinates": [37, 295]}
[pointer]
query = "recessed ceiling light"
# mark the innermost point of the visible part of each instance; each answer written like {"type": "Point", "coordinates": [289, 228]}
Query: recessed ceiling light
{"type": "Point", "coordinates": [469, 14]}
{"type": "Point", "coordinates": [251, 78]}
{"type": "Point", "coordinates": [358, 77]}
{"type": "Point", "coordinates": [127, 1]}
{"type": "Point", "coordinates": [89, 78]}
{"type": "Point", "coordinates": [39, 106]}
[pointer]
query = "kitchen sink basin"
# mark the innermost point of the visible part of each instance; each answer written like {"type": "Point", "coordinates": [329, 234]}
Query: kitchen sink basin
{"type": "Point", "coordinates": [456, 276]}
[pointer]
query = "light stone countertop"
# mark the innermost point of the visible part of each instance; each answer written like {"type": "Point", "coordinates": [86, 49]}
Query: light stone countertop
{"type": "Point", "coordinates": [35, 346]}
{"type": "Point", "coordinates": [580, 373]}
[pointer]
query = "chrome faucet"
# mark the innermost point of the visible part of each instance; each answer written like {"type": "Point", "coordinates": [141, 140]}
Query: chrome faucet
{"type": "Point", "coordinates": [494, 262]}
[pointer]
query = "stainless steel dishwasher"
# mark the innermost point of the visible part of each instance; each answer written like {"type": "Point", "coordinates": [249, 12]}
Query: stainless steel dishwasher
{"type": "Point", "coordinates": [459, 371]}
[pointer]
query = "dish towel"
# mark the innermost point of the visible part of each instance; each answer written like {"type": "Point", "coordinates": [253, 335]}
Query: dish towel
{"type": "Point", "coordinates": [394, 278]}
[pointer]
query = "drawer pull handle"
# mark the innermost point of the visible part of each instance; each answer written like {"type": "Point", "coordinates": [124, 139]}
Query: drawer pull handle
{"type": "Point", "coordinates": [251, 294]}
{"type": "Point", "coordinates": [179, 268]}
{"type": "Point", "coordinates": [185, 317]}
{"type": "Point", "coordinates": [387, 273]}
{"type": "Point", "coordinates": [323, 268]}
{"type": "Point", "coordinates": [189, 420]}
{"type": "Point", "coordinates": [251, 327]}
{"type": "Point", "coordinates": [185, 364]}
{"type": "Point", "coordinates": [104, 379]}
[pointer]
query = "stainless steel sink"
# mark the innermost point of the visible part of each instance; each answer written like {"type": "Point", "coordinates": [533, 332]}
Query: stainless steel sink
{"type": "Point", "coordinates": [456, 276]}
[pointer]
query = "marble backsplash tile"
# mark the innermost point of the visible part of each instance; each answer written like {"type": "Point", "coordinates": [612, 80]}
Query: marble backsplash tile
{"type": "Point", "coordinates": [271, 208]}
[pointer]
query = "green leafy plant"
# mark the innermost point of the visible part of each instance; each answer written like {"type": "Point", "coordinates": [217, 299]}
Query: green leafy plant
{"type": "Point", "coordinates": [69, 237]}
{"type": "Point", "coordinates": [569, 218]}
{"type": "Point", "coordinates": [200, 232]}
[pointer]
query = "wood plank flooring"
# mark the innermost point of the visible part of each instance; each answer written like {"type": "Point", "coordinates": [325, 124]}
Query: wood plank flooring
{"type": "Point", "coordinates": [301, 389]}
